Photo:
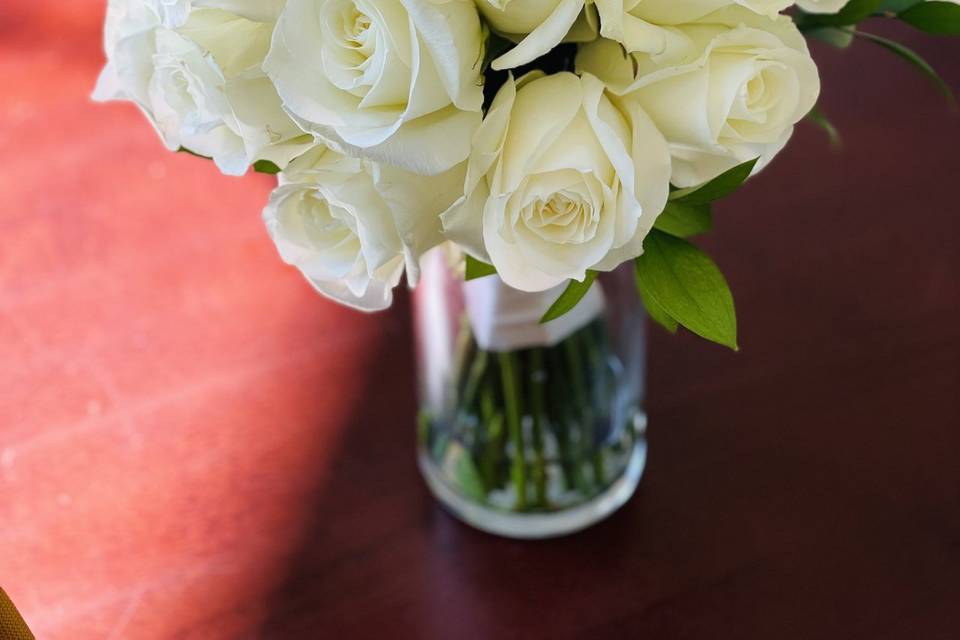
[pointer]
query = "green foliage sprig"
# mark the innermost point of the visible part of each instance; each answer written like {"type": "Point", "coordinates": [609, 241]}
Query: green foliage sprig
{"type": "Point", "coordinates": [678, 283]}
{"type": "Point", "coordinates": [841, 29]}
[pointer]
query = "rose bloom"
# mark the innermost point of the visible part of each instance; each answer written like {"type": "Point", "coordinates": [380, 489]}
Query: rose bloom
{"type": "Point", "coordinates": [174, 13]}
{"type": "Point", "coordinates": [352, 226]}
{"type": "Point", "coordinates": [560, 181]}
{"type": "Point", "coordinates": [538, 26]}
{"type": "Point", "coordinates": [396, 81]}
{"type": "Point", "coordinates": [649, 26]}
{"type": "Point", "coordinates": [198, 79]}
{"type": "Point", "coordinates": [732, 95]}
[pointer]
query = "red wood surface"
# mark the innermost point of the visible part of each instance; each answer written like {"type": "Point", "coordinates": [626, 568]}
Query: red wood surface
{"type": "Point", "coordinates": [194, 445]}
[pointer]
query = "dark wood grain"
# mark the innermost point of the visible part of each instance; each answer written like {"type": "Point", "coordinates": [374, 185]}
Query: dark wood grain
{"type": "Point", "coordinates": [193, 445]}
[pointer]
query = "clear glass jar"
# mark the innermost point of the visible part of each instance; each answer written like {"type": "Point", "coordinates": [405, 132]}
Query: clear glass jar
{"type": "Point", "coordinates": [529, 430]}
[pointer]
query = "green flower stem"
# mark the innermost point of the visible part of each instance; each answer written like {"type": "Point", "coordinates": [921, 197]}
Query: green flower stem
{"type": "Point", "coordinates": [593, 343]}
{"type": "Point", "coordinates": [491, 421]}
{"type": "Point", "coordinates": [581, 409]}
{"type": "Point", "coordinates": [564, 391]}
{"type": "Point", "coordinates": [478, 368]}
{"type": "Point", "coordinates": [424, 420]}
{"type": "Point", "coordinates": [537, 377]}
{"type": "Point", "coordinates": [563, 417]}
{"type": "Point", "coordinates": [597, 346]}
{"type": "Point", "coordinates": [511, 401]}
{"type": "Point", "coordinates": [465, 351]}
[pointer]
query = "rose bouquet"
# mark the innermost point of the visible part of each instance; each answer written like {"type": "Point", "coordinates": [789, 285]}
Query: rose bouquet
{"type": "Point", "coordinates": [512, 155]}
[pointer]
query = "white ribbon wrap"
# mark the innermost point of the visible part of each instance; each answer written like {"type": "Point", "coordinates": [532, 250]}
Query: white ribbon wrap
{"type": "Point", "coordinates": [505, 319]}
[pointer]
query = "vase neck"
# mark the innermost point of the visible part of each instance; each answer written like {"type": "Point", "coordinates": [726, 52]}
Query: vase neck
{"type": "Point", "coordinates": [506, 319]}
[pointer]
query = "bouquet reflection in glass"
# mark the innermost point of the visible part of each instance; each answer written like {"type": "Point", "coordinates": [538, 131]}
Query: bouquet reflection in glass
{"type": "Point", "coordinates": [529, 429]}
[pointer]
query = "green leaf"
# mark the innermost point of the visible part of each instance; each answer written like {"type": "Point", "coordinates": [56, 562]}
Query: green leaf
{"type": "Point", "coordinates": [265, 166]}
{"type": "Point", "coordinates": [938, 18]}
{"type": "Point", "coordinates": [896, 6]}
{"type": "Point", "coordinates": [657, 314]}
{"type": "Point", "coordinates": [440, 443]}
{"type": "Point", "coordinates": [913, 58]}
{"type": "Point", "coordinates": [819, 118]}
{"type": "Point", "coordinates": [468, 477]}
{"type": "Point", "coordinates": [685, 220]}
{"type": "Point", "coordinates": [855, 11]}
{"type": "Point", "coordinates": [720, 187]}
{"type": "Point", "coordinates": [687, 286]}
{"type": "Point", "coordinates": [831, 35]}
{"type": "Point", "coordinates": [192, 153]}
{"type": "Point", "coordinates": [477, 269]}
{"type": "Point", "coordinates": [569, 298]}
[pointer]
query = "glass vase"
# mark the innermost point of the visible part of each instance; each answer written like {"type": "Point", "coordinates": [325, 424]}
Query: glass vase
{"type": "Point", "coordinates": [528, 430]}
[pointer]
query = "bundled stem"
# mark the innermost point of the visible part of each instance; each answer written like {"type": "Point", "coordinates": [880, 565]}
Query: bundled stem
{"type": "Point", "coordinates": [533, 422]}
{"type": "Point", "coordinates": [511, 401]}
{"type": "Point", "coordinates": [537, 382]}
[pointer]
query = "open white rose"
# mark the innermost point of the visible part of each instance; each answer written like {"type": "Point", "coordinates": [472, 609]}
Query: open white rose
{"type": "Point", "coordinates": [735, 97]}
{"type": "Point", "coordinates": [396, 81]}
{"type": "Point", "coordinates": [258, 10]}
{"type": "Point", "coordinates": [538, 26]}
{"type": "Point", "coordinates": [199, 83]}
{"type": "Point", "coordinates": [560, 181]}
{"type": "Point", "coordinates": [649, 26]}
{"type": "Point", "coordinates": [174, 13]}
{"type": "Point", "coordinates": [351, 226]}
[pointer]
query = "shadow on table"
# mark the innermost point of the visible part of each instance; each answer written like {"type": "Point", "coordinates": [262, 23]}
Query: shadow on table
{"type": "Point", "coordinates": [377, 551]}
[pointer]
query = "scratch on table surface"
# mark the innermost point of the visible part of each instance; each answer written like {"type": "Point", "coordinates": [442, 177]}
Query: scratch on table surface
{"type": "Point", "coordinates": [223, 379]}
{"type": "Point", "coordinates": [104, 379]}
{"type": "Point", "coordinates": [65, 612]}
{"type": "Point", "coordinates": [115, 398]}
{"type": "Point", "coordinates": [89, 276]}
{"type": "Point", "coordinates": [7, 459]}
{"type": "Point", "coordinates": [124, 620]}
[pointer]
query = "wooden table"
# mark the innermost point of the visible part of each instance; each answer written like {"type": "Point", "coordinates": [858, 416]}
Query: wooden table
{"type": "Point", "coordinates": [194, 445]}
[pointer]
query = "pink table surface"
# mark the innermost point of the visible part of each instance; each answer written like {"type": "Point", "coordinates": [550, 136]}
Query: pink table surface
{"type": "Point", "coordinates": [194, 445]}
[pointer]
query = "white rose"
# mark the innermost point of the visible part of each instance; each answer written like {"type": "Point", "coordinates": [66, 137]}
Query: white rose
{"type": "Point", "coordinates": [173, 13]}
{"type": "Point", "coordinates": [351, 226]}
{"type": "Point", "coordinates": [735, 97]}
{"type": "Point", "coordinates": [396, 81]}
{"type": "Point", "coordinates": [822, 6]}
{"type": "Point", "coordinates": [538, 26]}
{"type": "Point", "coordinates": [200, 84]}
{"type": "Point", "coordinates": [560, 181]}
{"type": "Point", "coordinates": [648, 26]}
